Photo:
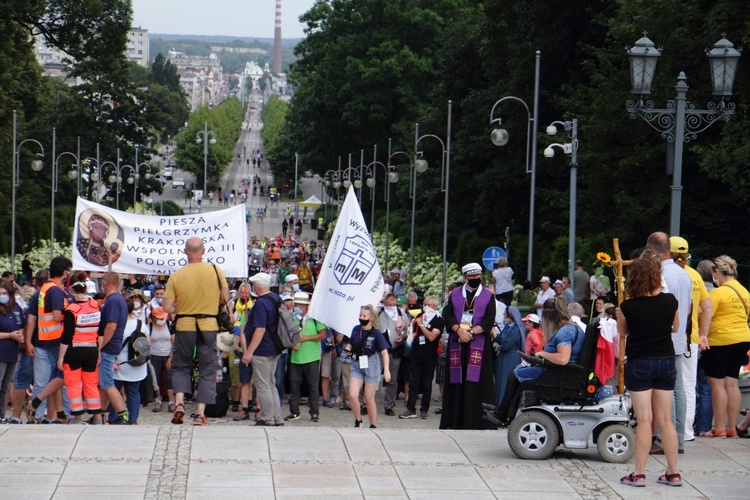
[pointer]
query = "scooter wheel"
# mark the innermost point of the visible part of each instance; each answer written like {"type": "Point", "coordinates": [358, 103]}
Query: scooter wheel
{"type": "Point", "coordinates": [533, 436]}
{"type": "Point", "coordinates": [616, 443]}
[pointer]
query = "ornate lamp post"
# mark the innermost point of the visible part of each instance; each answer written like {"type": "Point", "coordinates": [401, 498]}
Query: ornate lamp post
{"type": "Point", "coordinates": [680, 121]}
{"type": "Point", "coordinates": [391, 177]}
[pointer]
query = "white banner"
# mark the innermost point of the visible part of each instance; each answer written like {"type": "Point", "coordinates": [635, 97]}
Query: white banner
{"type": "Point", "coordinates": [350, 277]}
{"type": "Point", "coordinates": [146, 244]}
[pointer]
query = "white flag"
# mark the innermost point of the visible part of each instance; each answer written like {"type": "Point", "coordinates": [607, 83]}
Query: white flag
{"type": "Point", "coordinates": [143, 244]}
{"type": "Point", "coordinates": [350, 277]}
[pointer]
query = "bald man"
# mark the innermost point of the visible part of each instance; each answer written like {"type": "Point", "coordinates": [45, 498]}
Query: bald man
{"type": "Point", "coordinates": [194, 293]}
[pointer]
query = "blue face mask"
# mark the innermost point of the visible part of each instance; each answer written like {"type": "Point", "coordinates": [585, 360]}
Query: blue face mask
{"type": "Point", "coordinates": [295, 288]}
{"type": "Point", "coordinates": [158, 300]}
{"type": "Point", "coordinates": [298, 311]}
{"type": "Point", "coordinates": [4, 299]}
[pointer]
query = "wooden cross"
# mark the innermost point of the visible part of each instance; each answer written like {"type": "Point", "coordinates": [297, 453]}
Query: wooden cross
{"type": "Point", "coordinates": [619, 266]}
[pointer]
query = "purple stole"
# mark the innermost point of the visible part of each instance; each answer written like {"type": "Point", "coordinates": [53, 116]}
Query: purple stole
{"type": "Point", "coordinates": [476, 347]}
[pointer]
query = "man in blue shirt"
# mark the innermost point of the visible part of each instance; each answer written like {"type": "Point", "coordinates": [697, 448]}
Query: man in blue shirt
{"type": "Point", "coordinates": [114, 318]}
{"type": "Point", "coordinates": [260, 349]}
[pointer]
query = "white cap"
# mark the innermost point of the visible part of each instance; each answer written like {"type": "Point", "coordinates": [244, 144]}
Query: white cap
{"type": "Point", "coordinates": [471, 268]}
{"type": "Point", "coordinates": [291, 277]}
{"type": "Point", "coordinates": [301, 298]}
{"type": "Point", "coordinates": [261, 279]}
{"type": "Point", "coordinates": [557, 282]}
{"type": "Point", "coordinates": [545, 279]}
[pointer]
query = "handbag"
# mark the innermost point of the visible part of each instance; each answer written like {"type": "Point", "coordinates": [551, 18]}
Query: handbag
{"type": "Point", "coordinates": [222, 316]}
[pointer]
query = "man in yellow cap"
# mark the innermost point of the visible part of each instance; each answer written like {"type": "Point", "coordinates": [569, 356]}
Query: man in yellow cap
{"type": "Point", "coordinates": [700, 320]}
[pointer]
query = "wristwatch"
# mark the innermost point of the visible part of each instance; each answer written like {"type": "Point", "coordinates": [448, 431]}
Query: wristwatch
{"type": "Point", "coordinates": [471, 331]}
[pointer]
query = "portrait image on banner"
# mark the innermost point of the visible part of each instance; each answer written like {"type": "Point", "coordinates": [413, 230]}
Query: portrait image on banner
{"type": "Point", "coordinates": [350, 276]}
{"type": "Point", "coordinates": [149, 244]}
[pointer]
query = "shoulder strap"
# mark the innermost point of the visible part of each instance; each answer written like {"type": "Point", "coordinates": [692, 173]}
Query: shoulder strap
{"type": "Point", "coordinates": [218, 282]}
{"type": "Point", "coordinates": [740, 297]}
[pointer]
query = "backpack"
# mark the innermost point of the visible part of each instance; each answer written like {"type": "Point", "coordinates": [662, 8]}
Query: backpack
{"type": "Point", "coordinates": [287, 331]}
{"type": "Point", "coordinates": [138, 347]}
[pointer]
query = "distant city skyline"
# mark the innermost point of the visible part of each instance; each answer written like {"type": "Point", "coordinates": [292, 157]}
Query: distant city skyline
{"type": "Point", "coordinates": [249, 18]}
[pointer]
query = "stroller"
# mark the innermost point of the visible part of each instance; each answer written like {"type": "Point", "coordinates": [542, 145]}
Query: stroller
{"type": "Point", "coordinates": [562, 406]}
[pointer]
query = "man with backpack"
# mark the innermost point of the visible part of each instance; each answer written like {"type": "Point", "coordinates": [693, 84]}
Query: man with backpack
{"type": "Point", "coordinates": [262, 348]}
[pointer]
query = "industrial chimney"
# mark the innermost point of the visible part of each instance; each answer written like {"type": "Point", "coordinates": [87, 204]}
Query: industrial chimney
{"type": "Point", "coordinates": [277, 40]}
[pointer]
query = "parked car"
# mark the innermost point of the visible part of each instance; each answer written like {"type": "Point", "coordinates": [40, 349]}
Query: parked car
{"type": "Point", "coordinates": [167, 173]}
{"type": "Point", "coordinates": [179, 182]}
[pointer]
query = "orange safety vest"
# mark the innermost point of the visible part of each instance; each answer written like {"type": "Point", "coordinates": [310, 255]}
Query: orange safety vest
{"type": "Point", "coordinates": [274, 253]}
{"type": "Point", "coordinates": [87, 317]}
{"type": "Point", "coordinates": [49, 329]}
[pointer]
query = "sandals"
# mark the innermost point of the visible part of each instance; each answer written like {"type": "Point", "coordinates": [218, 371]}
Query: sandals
{"type": "Point", "coordinates": [179, 412]}
{"type": "Point", "coordinates": [741, 433]}
{"type": "Point", "coordinates": [670, 479]}
{"type": "Point", "coordinates": [713, 433]}
{"type": "Point", "coordinates": [633, 479]}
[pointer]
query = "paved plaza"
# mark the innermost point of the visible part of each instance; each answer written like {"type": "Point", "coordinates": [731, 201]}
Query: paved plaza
{"type": "Point", "coordinates": [240, 461]}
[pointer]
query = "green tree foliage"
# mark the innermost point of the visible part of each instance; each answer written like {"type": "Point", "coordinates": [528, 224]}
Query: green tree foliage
{"type": "Point", "coordinates": [225, 121]}
{"type": "Point", "coordinates": [369, 70]}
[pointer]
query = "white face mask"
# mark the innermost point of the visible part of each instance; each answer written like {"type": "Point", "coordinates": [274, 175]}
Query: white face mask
{"type": "Point", "coordinates": [136, 304]}
{"type": "Point", "coordinates": [160, 322]}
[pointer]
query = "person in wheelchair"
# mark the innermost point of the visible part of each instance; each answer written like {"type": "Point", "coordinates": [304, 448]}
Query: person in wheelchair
{"type": "Point", "coordinates": [563, 346]}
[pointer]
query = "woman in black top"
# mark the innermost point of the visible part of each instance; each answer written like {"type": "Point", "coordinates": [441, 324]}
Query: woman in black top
{"type": "Point", "coordinates": [648, 317]}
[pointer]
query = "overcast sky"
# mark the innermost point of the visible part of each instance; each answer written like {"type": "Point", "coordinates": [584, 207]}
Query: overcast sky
{"type": "Point", "coordinates": [241, 18]}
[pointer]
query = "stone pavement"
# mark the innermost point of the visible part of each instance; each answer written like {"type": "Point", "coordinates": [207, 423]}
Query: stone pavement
{"type": "Point", "coordinates": [167, 461]}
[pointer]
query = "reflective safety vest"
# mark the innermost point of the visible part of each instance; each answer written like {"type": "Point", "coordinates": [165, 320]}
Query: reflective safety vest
{"type": "Point", "coordinates": [49, 329]}
{"type": "Point", "coordinates": [87, 318]}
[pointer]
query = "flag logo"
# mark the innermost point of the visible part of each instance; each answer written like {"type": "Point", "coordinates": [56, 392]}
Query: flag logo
{"type": "Point", "coordinates": [355, 261]}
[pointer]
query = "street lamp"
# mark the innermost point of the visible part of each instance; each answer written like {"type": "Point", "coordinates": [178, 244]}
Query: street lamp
{"type": "Point", "coordinates": [445, 171]}
{"type": "Point", "coordinates": [348, 178]}
{"type": "Point", "coordinates": [569, 148]}
{"type": "Point", "coordinates": [36, 165]}
{"type": "Point", "coordinates": [391, 177]}
{"type": "Point", "coordinates": [116, 177]}
{"type": "Point", "coordinates": [72, 174]}
{"type": "Point", "coordinates": [137, 176]}
{"type": "Point", "coordinates": [680, 121]}
{"type": "Point", "coordinates": [327, 183]}
{"type": "Point", "coordinates": [132, 180]}
{"type": "Point", "coordinates": [500, 137]}
{"type": "Point", "coordinates": [205, 136]}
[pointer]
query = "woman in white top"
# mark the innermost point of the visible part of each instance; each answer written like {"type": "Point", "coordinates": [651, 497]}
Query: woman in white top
{"type": "Point", "coordinates": [502, 278]}
{"type": "Point", "coordinates": [161, 350]}
{"type": "Point", "coordinates": [128, 376]}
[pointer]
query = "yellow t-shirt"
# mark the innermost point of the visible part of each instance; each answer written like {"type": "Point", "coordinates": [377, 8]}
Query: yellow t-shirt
{"type": "Point", "coordinates": [729, 322]}
{"type": "Point", "coordinates": [699, 293]}
{"type": "Point", "coordinates": [195, 291]}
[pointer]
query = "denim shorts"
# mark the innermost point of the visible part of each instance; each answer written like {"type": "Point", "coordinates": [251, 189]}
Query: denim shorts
{"type": "Point", "coordinates": [23, 378]}
{"type": "Point", "coordinates": [371, 374]}
{"type": "Point", "coordinates": [107, 371]}
{"type": "Point", "coordinates": [643, 374]}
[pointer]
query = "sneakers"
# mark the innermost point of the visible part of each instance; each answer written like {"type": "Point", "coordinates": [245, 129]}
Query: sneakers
{"type": "Point", "coordinates": [170, 408]}
{"type": "Point", "coordinates": [314, 417]}
{"type": "Point", "coordinates": [96, 420]}
{"type": "Point", "coordinates": [328, 403]}
{"type": "Point", "coordinates": [373, 426]}
{"type": "Point", "coordinates": [423, 414]}
{"type": "Point", "coordinates": [121, 420]}
{"type": "Point", "coordinates": [179, 412]}
{"type": "Point", "coordinates": [406, 414]}
{"type": "Point", "coordinates": [76, 421]}
{"type": "Point", "coordinates": [292, 416]}
{"type": "Point", "coordinates": [157, 406]}
{"type": "Point", "coordinates": [14, 420]}
{"type": "Point", "coordinates": [242, 415]}
{"type": "Point", "coordinates": [345, 407]}
{"type": "Point", "coordinates": [357, 424]}
{"type": "Point", "coordinates": [390, 412]}
{"type": "Point", "coordinates": [263, 423]}
{"type": "Point", "coordinates": [200, 421]}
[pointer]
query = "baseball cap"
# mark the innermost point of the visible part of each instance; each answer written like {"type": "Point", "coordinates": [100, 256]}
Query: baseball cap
{"type": "Point", "coordinates": [533, 318]}
{"type": "Point", "coordinates": [557, 282]}
{"type": "Point", "coordinates": [286, 296]}
{"type": "Point", "coordinates": [678, 244]}
{"type": "Point", "coordinates": [158, 313]}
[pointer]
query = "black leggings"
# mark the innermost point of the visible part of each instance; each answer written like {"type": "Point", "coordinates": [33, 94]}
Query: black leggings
{"type": "Point", "coordinates": [510, 398]}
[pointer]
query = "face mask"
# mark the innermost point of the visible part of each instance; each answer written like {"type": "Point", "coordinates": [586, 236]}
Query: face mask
{"type": "Point", "coordinates": [160, 322]}
{"type": "Point", "coordinates": [136, 304]}
{"type": "Point", "coordinates": [4, 299]}
{"type": "Point", "coordinates": [363, 322]}
{"type": "Point", "coordinates": [475, 282]}
{"type": "Point", "coordinates": [158, 300]}
{"type": "Point", "coordinates": [295, 288]}
{"type": "Point", "coordinates": [298, 311]}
